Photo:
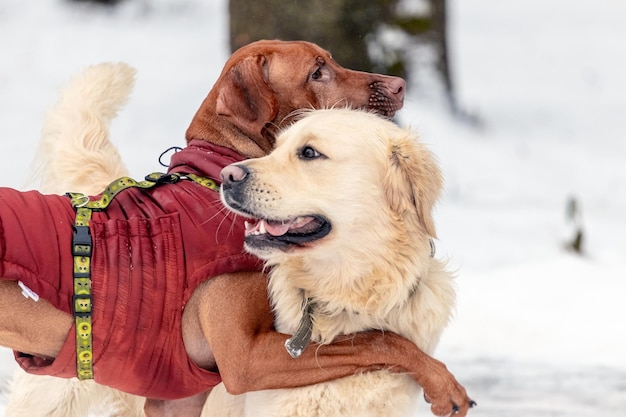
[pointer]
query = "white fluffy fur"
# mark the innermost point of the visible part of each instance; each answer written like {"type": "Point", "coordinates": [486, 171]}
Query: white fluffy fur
{"type": "Point", "coordinates": [376, 184]}
{"type": "Point", "coordinates": [46, 396]}
{"type": "Point", "coordinates": [76, 155]}
{"type": "Point", "coordinates": [75, 151]}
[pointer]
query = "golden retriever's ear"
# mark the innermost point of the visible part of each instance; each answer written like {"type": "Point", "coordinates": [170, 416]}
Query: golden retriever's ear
{"type": "Point", "coordinates": [413, 180]}
{"type": "Point", "coordinates": [246, 97]}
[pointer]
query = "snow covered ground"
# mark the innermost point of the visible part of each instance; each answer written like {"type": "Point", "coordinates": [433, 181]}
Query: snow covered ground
{"type": "Point", "coordinates": [539, 331]}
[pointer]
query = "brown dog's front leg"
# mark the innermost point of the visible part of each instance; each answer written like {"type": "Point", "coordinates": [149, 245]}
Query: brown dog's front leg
{"type": "Point", "coordinates": [185, 407]}
{"type": "Point", "coordinates": [238, 324]}
{"type": "Point", "coordinates": [28, 326]}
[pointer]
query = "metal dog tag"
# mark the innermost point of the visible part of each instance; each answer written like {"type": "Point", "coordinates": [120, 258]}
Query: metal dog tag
{"type": "Point", "coordinates": [302, 337]}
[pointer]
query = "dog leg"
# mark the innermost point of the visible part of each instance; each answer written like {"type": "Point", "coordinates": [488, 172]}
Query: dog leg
{"type": "Point", "coordinates": [28, 326]}
{"type": "Point", "coordinates": [221, 403]}
{"type": "Point", "coordinates": [46, 396]}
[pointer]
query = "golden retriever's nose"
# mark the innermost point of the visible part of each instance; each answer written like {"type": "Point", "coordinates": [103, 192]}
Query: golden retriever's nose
{"type": "Point", "coordinates": [233, 174]}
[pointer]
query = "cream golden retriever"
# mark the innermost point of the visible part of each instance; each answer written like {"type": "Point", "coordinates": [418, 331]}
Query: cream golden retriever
{"type": "Point", "coordinates": [341, 211]}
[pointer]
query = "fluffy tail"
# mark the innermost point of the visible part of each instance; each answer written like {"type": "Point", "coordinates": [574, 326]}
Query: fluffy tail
{"type": "Point", "coordinates": [75, 153]}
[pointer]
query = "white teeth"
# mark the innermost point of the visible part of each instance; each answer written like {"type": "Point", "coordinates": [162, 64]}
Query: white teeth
{"type": "Point", "coordinates": [250, 226]}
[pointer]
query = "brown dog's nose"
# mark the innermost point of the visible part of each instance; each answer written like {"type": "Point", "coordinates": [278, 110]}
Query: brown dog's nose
{"type": "Point", "coordinates": [233, 174]}
{"type": "Point", "coordinates": [397, 86]}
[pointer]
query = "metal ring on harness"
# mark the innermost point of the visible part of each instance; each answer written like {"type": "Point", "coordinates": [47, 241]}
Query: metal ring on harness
{"type": "Point", "coordinates": [83, 201]}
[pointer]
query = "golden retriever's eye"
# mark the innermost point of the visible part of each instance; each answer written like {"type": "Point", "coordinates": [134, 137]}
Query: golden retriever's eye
{"type": "Point", "coordinates": [308, 152]}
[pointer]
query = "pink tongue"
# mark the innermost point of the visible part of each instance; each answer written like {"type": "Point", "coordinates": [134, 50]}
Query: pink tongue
{"type": "Point", "coordinates": [277, 228]}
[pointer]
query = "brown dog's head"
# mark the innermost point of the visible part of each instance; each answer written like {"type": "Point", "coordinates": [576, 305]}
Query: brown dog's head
{"type": "Point", "coordinates": [341, 184]}
{"type": "Point", "coordinates": [263, 83]}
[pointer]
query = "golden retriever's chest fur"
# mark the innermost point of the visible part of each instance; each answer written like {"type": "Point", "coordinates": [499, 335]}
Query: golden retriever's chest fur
{"type": "Point", "coordinates": [373, 394]}
{"type": "Point", "coordinates": [420, 312]}
{"type": "Point", "coordinates": [420, 316]}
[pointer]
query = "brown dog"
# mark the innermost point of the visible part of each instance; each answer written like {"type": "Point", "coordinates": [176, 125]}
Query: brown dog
{"type": "Point", "coordinates": [227, 322]}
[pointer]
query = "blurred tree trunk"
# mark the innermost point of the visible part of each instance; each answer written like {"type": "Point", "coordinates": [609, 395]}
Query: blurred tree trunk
{"type": "Point", "coordinates": [440, 33]}
{"type": "Point", "coordinates": [339, 26]}
{"type": "Point", "coordinates": [366, 35]}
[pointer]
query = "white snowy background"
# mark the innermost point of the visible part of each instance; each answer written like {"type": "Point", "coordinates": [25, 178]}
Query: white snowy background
{"type": "Point", "coordinates": [539, 331]}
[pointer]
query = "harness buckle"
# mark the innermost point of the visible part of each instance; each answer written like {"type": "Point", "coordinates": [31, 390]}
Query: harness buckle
{"type": "Point", "coordinates": [81, 241]}
{"type": "Point", "coordinates": [158, 178]}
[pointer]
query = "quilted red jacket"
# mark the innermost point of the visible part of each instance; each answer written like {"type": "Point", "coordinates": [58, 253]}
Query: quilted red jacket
{"type": "Point", "coordinates": [151, 249]}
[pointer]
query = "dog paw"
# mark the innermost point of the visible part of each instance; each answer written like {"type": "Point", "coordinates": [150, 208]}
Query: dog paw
{"type": "Point", "coordinates": [456, 410]}
{"type": "Point", "coordinates": [444, 393]}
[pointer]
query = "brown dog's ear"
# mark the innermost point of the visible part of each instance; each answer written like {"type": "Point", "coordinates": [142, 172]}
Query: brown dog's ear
{"type": "Point", "coordinates": [413, 180]}
{"type": "Point", "coordinates": [246, 97]}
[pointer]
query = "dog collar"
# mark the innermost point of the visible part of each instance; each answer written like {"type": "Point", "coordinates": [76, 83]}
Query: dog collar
{"type": "Point", "coordinates": [82, 250]}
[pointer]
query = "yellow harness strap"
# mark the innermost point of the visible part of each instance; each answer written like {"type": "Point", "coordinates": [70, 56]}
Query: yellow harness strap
{"type": "Point", "coordinates": [82, 251]}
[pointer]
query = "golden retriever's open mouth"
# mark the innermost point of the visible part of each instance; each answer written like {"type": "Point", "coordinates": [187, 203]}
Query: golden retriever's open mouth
{"type": "Point", "coordinates": [284, 233]}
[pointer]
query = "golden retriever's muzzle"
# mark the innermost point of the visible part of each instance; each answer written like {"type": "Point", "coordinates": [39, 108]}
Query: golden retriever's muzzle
{"type": "Point", "coordinates": [263, 230]}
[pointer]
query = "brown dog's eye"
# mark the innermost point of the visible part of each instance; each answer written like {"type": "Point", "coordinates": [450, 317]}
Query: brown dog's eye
{"type": "Point", "coordinates": [321, 73]}
{"type": "Point", "coordinates": [308, 152]}
{"type": "Point", "coordinates": [317, 75]}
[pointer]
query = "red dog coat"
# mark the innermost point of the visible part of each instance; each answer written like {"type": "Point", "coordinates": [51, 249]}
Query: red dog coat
{"type": "Point", "coordinates": [151, 249]}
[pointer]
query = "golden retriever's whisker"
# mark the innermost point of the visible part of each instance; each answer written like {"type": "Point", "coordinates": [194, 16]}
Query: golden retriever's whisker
{"type": "Point", "coordinates": [224, 219]}
{"type": "Point", "coordinates": [220, 210]}
{"type": "Point", "coordinates": [224, 214]}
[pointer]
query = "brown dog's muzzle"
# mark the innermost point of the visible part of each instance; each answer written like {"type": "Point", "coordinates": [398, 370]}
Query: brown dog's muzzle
{"type": "Point", "coordinates": [387, 95]}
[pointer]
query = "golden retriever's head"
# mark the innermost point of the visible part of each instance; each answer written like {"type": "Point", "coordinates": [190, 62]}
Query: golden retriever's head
{"type": "Point", "coordinates": [339, 183]}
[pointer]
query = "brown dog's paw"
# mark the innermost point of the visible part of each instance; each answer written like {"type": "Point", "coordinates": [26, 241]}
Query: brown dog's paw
{"type": "Point", "coordinates": [456, 410]}
{"type": "Point", "coordinates": [444, 393]}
